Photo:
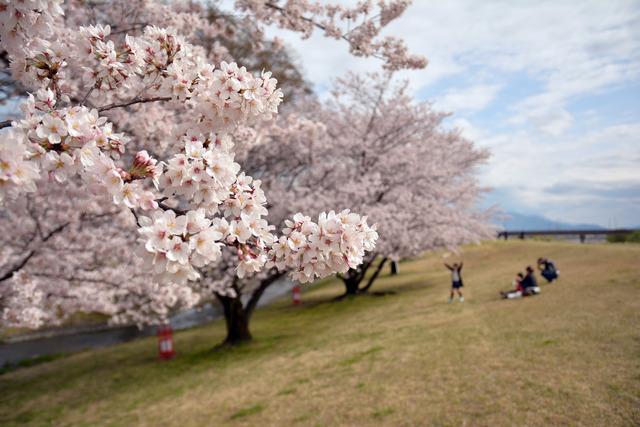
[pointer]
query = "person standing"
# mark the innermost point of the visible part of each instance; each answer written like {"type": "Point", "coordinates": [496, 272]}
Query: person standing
{"type": "Point", "coordinates": [456, 280]}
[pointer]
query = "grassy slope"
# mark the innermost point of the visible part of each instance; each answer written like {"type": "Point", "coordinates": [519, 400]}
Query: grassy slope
{"type": "Point", "coordinates": [568, 356]}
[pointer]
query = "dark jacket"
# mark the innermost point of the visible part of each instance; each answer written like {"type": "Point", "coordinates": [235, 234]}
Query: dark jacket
{"type": "Point", "coordinates": [529, 281]}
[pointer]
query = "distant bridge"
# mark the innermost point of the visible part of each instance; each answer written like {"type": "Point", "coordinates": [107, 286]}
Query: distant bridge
{"type": "Point", "coordinates": [582, 234]}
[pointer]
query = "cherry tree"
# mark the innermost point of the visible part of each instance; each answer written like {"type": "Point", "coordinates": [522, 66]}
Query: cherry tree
{"type": "Point", "coordinates": [97, 90]}
{"type": "Point", "coordinates": [373, 147]}
{"type": "Point", "coordinates": [65, 251]}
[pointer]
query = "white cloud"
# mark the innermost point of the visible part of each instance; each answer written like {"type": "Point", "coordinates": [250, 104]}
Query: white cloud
{"type": "Point", "coordinates": [605, 159]}
{"type": "Point", "coordinates": [538, 141]}
{"type": "Point", "coordinates": [545, 112]}
{"type": "Point", "coordinates": [469, 98]}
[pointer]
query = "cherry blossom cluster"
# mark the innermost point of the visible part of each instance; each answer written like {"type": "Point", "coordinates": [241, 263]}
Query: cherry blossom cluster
{"type": "Point", "coordinates": [204, 173]}
{"type": "Point", "coordinates": [24, 22]}
{"type": "Point", "coordinates": [17, 174]}
{"type": "Point", "coordinates": [175, 244]}
{"type": "Point", "coordinates": [231, 95]}
{"type": "Point", "coordinates": [249, 233]}
{"type": "Point", "coordinates": [85, 80]}
{"type": "Point", "coordinates": [64, 141]}
{"type": "Point", "coordinates": [159, 63]}
{"type": "Point", "coordinates": [171, 67]}
{"type": "Point", "coordinates": [24, 303]}
{"type": "Point", "coordinates": [46, 65]}
{"type": "Point", "coordinates": [75, 140]}
{"type": "Point", "coordinates": [162, 53]}
{"type": "Point", "coordinates": [107, 66]}
{"type": "Point", "coordinates": [336, 243]}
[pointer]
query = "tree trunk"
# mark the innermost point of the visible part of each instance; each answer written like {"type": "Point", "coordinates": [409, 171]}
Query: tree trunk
{"type": "Point", "coordinates": [237, 316]}
{"type": "Point", "coordinates": [394, 268]}
{"type": "Point", "coordinates": [351, 284]}
{"type": "Point", "coordinates": [354, 277]}
{"type": "Point", "coordinates": [237, 320]}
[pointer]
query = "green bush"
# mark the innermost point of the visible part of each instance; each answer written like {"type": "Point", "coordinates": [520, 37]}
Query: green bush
{"type": "Point", "coordinates": [634, 237]}
{"type": "Point", "coordinates": [624, 238]}
{"type": "Point", "coordinates": [616, 238]}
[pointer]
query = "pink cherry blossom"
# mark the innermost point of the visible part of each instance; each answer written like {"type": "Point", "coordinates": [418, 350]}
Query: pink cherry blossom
{"type": "Point", "coordinates": [146, 127]}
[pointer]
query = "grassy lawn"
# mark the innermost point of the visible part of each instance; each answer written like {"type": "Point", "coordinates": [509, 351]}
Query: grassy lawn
{"type": "Point", "coordinates": [569, 356]}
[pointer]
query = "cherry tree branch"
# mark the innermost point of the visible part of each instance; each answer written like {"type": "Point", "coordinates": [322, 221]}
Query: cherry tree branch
{"type": "Point", "coordinates": [87, 95]}
{"type": "Point", "coordinates": [257, 294]}
{"type": "Point", "coordinates": [375, 275]}
{"type": "Point", "coordinates": [284, 12]}
{"type": "Point", "coordinates": [134, 101]}
{"type": "Point", "coordinates": [9, 274]}
{"type": "Point", "coordinates": [166, 207]}
{"type": "Point", "coordinates": [132, 27]}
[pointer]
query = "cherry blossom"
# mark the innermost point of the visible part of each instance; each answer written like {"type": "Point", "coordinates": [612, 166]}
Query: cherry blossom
{"type": "Point", "coordinates": [186, 195]}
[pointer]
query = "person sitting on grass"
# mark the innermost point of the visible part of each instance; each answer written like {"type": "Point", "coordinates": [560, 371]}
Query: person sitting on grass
{"type": "Point", "coordinates": [529, 283]}
{"type": "Point", "coordinates": [548, 269]}
{"type": "Point", "coordinates": [518, 289]}
{"type": "Point", "coordinates": [456, 280]}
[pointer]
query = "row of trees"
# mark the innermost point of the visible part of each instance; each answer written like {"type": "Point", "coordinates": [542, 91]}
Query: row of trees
{"type": "Point", "coordinates": [130, 127]}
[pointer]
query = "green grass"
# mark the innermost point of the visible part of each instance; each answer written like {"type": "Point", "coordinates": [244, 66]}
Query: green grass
{"type": "Point", "coordinates": [569, 356]}
{"type": "Point", "coordinates": [245, 412]}
{"type": "Point", "coordinates": [32, 362]}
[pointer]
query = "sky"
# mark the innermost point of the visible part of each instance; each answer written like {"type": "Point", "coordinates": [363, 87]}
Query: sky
{"type": "Point", "coordinates": [552, 88]}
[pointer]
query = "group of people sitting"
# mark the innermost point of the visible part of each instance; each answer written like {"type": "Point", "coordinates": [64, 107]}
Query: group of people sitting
{"type": "Point", "coordinates": [527, 285]}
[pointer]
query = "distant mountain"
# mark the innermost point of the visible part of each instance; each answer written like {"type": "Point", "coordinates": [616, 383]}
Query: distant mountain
{"type": "Point", "coordinates": [518, 221]}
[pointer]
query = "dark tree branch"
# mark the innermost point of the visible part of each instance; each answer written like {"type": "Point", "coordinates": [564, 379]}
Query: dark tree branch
{"type": "Point", "coordinates": [44, 237]}
{"type": "Point", "coordinates": [9, 274]}
{"type": "Point", "coordinates": [55, 231]}
{"type": "Point", "coordinates": [135, 215]}
{"type": "Point", "coordinates": [87, 95]}
{"type": "Point", "coordinates": [257, 294]}
{"type": "Point", "coordinates": [165, 207]}
{"type": "Point", "coordinates": [375, 275]}
{"type": "Point", "coordinates": [134, 101]}
{"type": "Point", "coordinates": [362, 270]}
{"type": "Point", "coordinates": [13, 270]}
{"type": "Point", "coordinates": [344, 37]}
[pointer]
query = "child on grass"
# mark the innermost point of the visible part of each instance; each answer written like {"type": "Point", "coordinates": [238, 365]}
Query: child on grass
{"type": "Point", "coordinates": [456, 280]}
{"type": "Point", "coordinates": [518, 288]}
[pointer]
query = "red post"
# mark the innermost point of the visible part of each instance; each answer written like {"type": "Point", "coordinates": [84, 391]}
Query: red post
{"type": "Point", "coordinates": [165, 342]}
{"type": "Point", "coordinates": [295, 292]}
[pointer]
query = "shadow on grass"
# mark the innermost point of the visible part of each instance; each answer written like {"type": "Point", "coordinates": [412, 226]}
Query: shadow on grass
{"type": "Point", "coordinates": [391, 287]}
{"type": "Point", "coordinates": [262, 343]}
